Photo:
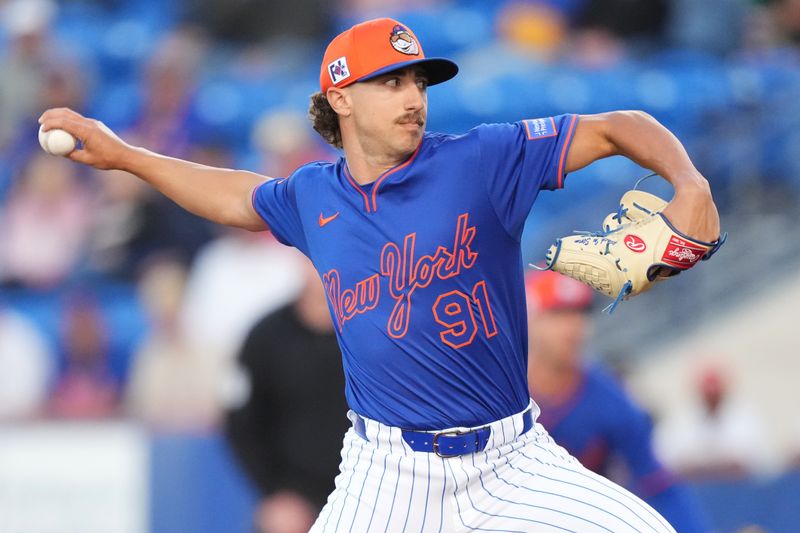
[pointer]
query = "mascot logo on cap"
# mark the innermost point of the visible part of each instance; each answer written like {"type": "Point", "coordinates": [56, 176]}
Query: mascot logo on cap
{"type": "Point", "coordinates": [403, 42]}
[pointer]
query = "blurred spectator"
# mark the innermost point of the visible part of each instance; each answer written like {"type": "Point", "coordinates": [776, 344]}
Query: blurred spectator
{"type": "Point", "coordinates": [65, 84]}
{"type": "Point", "coordinates": [133, 223]}
{"type": "Point", "coordinates": [38, 73]}
{"type": "Point", "coordinates": [171, 387]}
{"type": "Point", "coordinates": [366, 9]}
{"type": "Point", "coordinates": [715, 26]}
{"type": "Point", "coordinates": [261, 21]}
{"type": "Point", "coordinates": [85, 389]}
{"type": "Point", "coordinates": [762, 31]}
{"type": "Point", "coordinates": [27, 24]}
{"type": "Point", "coordinates": [625, 19]}
{"type": "Point", "coordinates": [787, 15]}
{"type": "Point", "coordinates": [236, 279]}
{"type": "Point", "coordinates": [44, 226]}
{"type": "Point", "coordinates": [288, 434]}
{"type": "Point", "coordinates": [583, 406]}
{"type": "Point", "coordinates": [533, 27]}
{"type": "Point", "coordinates": [26, 367]}
{"type": "Point", "coordinates": [284, 139]}
{"type": "Point", "coordinates": [606, 32]}
{"type": "Point", "coordinates": [719, 436]}
{"type": "Point", "coordinates": [170, 79]}
{"type": "Point", "coordinates": [165, 125]}
{"type": "Point", "coordinates": [771, 25]}
{"type": "Point", "coordinates": [123, 232]}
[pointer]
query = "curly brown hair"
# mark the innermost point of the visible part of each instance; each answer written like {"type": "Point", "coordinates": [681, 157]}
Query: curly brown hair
{"type": "Point", "coordinates": [325, 120]}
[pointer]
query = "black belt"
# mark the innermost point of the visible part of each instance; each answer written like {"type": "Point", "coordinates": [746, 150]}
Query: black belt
{"type": "Point", "coordinates": [446, 443]}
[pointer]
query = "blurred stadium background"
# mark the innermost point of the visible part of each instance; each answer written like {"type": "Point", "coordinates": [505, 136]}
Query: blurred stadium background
{"type": "Point", "coordinates": [100, 278]}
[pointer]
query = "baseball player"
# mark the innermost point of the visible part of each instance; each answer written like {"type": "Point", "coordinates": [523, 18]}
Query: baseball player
{"type": "Point", "coordinates": [416, 237]}
{"type": "Point", "coordinates": [585, 409]}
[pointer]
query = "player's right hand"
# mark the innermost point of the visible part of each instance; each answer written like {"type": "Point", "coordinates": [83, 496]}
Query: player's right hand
{"type": "Point", "coordinates": [100, 147]}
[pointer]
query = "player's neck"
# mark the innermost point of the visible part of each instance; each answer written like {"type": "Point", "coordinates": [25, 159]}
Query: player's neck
{"type": "Point", "coordinates": [365, 166]}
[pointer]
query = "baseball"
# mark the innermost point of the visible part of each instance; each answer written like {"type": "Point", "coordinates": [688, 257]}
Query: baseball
{"type": "Point", "coordinates": [56, 142]}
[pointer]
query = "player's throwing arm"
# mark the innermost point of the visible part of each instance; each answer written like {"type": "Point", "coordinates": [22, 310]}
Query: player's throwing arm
{"type": "Point", "coordinates": [220, 195]}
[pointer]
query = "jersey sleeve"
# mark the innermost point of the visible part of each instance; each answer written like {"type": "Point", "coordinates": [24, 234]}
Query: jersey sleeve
{"type": "Point", "coordinates": [522, 158]}
{"type": "Point", "coordinates": [275, 201]}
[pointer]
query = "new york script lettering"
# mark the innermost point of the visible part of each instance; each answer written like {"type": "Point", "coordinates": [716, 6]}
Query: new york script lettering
{"type": "Point", "coordinates": [405, 274]}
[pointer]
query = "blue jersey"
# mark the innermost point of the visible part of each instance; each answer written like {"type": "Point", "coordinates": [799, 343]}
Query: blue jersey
{"type": "Point", "coordinates": [598, 424]}
{"type": "Point", "coordinates": [423, 268]}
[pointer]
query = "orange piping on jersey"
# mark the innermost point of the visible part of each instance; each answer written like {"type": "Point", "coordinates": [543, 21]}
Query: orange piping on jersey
{"type": "Point", "coordinates": [570, 131]}
{"type": "Point", "coordinates": [387, 173]}
{"type": "Point", "coordinates": [356, 187]}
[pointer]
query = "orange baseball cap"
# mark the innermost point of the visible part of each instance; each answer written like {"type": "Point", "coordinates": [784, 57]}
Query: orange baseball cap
{"type": "Point", "coordinates": [376, 47]}
{"type": "Point", "coordinates": [548, 290]}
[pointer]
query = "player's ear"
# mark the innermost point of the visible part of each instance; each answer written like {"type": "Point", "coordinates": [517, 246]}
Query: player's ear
{"type": "Point", "coordinates": [340, 101]}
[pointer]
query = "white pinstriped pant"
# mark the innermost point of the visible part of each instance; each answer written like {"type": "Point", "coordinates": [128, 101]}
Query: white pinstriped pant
{"type": "Point", "coordinates": [519, 483]}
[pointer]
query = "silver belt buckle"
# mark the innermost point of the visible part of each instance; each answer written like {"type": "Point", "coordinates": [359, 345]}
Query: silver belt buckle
{"type": "Point", "coordinates": [454, 433]}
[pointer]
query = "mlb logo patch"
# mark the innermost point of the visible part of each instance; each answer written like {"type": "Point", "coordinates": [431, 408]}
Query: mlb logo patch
{"type": "Point", "coordinates": [338, 70]}
{"type": "Point", "coordinates": [540, 128]}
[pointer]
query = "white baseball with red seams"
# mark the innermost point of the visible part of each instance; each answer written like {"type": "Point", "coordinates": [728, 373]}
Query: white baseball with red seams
{"type": "Point", "coordinates": [56, 142]}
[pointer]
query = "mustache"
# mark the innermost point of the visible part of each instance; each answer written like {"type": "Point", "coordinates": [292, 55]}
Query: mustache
{"type": "Point", "coordinates": [412, 118]}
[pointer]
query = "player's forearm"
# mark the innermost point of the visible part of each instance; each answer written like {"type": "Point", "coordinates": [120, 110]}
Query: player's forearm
{"type": "Point", "coordinates": [220, 195]}
{"type": "Point", "coordinates": [641, 138]}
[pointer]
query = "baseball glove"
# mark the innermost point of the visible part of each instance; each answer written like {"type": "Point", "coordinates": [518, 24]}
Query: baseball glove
{"type": "Point", "coordinates": [637, 247]}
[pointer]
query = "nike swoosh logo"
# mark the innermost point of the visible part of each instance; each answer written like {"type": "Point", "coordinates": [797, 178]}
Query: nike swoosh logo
{"type": "Point", "coordinates": [325, 220]}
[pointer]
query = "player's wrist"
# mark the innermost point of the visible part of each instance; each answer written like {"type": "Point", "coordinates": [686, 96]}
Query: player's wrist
{"type": "Point", "coordinates": [132, 159]}
{"type": "Point", "coordinates": [692, 199]}
{"type": "Point", "coordinates": [691, 185]}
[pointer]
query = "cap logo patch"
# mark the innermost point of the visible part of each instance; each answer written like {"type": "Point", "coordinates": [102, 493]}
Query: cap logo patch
{"type": "Point", "coordinates": [403, 42]}
{"type": "Point", "coordinates": [338, 70]}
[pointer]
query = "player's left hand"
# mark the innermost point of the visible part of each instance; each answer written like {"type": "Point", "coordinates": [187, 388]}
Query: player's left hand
{"type": "Point", "coordinates": [692, 211]}
{"type": "Point", "coordinates": [646, 240]}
